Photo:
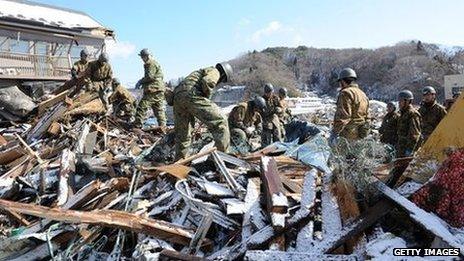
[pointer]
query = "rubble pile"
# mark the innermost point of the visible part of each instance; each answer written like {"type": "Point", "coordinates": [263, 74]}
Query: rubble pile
{"type": "Point", "coordinates": [76, 184]}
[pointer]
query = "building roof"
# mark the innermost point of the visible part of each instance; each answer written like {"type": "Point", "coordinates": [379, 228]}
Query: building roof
{"type": "Point", "coordinates": [47, 15]}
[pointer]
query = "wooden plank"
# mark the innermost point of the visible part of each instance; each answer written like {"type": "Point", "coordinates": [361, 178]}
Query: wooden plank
{"type": "Point", "coordinates": [18, 217]}
{"type": "Point", "coordinates": [25, 165]}
{"type": "Point", "coordinates": [54, 129]}
{"type": "Point", "coordinates": [170, 255]}
{"type": "Point", "coordinates": [252, 206]}
{"type": "Point", "coordinates": [10, 154]}
{"type": "Point", "coordinates": [176, 170]}
{"type": "Point", "coordinates": [107, 218]}
{"type": "Point", "coordinates": [291, 185]}
{"type": "Point", "coordinates": [200, 234]}
{"type": "Point", "coordinates": [274, 191]}
{"type": "Point", "coordinates": [43, 106]}
{"type": "Point", "coordinates": [45, 122]}
{"type": "Point", "coordinates": [370, 216]}
{"type": "Point", "coordinates": [88, 192]}
{"type": "Point", "coordinates": [89, 144]}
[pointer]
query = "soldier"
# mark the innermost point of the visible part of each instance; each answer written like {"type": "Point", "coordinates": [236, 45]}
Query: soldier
{"type": "Point", "coordinates": [153, 91]}
{"type": "Point", "coordinates": [431, 112]}
{"type": "Point", "coordinates": [286, 113]}
{"type": "Point", "coordinates": [243, 117]}
{"type": "Point", "coordinates": [388, 129]}
{"type": "Point", "coordinates": [272, 128]}
{"type": "Point", "coordinates": [191, 99]}
{"type": "Point", "coordinates": [80, 66]}
{"type": "Point", "coordinates": [450, 103]}
{"type": "Point", "coordinates": [122, 101]}
{"type": "Point", "coordinates": [350, 120]}
{"type": "Point", "coordinates": [98, 75]}
{"type": "Point", "coordinates": [409, 126]}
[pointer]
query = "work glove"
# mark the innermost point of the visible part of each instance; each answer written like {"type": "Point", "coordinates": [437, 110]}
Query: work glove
{"type": "Point", "coordinates": [249, 131]}
{"type": "Point", "coordinates": [138, 85]}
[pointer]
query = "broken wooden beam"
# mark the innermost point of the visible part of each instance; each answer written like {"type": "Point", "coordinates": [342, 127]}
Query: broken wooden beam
{"type": "Point", "coordinates": [370, 216]}
{"type": "Point", "coordinates": [43, 106]}
{"type": "Point", "coordinates": [200, 234]}
{"type": "Point", "coordinates": [429, 221]}
{"type": "Point", "coordinates": [44, 123]}
{"type": "Point", "coordinates": [107, 218]}
{"type": "Point", "coordinates": [10, 154]}
{"type": "Point", "coordinates": [276, 201]}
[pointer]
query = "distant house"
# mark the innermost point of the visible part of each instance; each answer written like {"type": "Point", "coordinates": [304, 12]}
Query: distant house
{"type": "Point", "coordinates": [41, 42]}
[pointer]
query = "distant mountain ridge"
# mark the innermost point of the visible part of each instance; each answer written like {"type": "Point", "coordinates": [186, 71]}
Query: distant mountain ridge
{"type": "Point", "coordinates": [382, 72]}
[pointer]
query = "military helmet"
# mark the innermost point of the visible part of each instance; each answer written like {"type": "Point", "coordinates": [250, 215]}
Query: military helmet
{"type": "Point", "coordinates": [428, 89]}
{"type": "Point", "coordinates": [392, 104]}
{"type": "Point", "coordinates": [84, 52]}
{"type": "Point", "coordinates": [225, 69]}
{"type": "Point", "coordinates": [116, 81]}
{"type": "Point", "coordinates": [144, 52]}
{"type": "Point", "coordinates": [103, 57]}
{"type": "Point", "coordinates": [283, 91]}
{"type": "Point", "coordinates": [268, 88]}
{"type": "Point", "coordinates": [260, 103]}
{"type": "Point", "coordinates": [405, 95]}
{"type": "Point", "coordinates": [347, 73]}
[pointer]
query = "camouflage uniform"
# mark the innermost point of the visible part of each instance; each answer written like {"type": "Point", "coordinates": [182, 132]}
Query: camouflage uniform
{"type": "Point", "coordinates": [272, 127]}
{"type": "Point", "coordinates": [192, 100]}
{"type": "Point", "coordinates": [431, 115]}
{"type": "Point", "coordinates": [285, 115]}
{"type": "Point", "coordinates": [388, 129]}
{"type": "Point", "coordinates": [153, 94]}
{"type": "Point", "coordinates": [98, 76]}
{"type": "Point", "coordinates": [350, 120]}
{"type": "Point", "coordinates": [80, 67]}
{"type": "Point", "coordinates": [409, 132]}
{"type": "Point", "coordinates": [240, 118]}
{"type": "Point", "coordinates": [123, 102]}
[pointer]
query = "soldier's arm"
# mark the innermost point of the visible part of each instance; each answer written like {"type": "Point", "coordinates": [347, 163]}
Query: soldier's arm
{"type": "Point", "coordinates": [150, 73]}
{"type": "Point", "coordinates": [443, 113]}
{"type": "Point", "coordinates": [209, 81]}
{"type": "Point", "coordinates": [415, 131]}
{"type": "Point", "coordinates": [342, 113]}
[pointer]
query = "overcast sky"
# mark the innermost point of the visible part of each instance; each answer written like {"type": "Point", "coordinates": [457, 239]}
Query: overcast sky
{"type": "Point", "coordinates": [186, 35]}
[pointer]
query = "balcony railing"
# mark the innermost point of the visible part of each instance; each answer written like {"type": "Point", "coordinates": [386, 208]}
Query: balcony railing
{"type": "Point", "coordinates": [30, 66]}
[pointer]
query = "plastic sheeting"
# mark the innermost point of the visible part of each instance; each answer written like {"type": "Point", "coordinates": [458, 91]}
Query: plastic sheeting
{"type": "Point", "coordinates": [315, 152]}
{"type": "Point", "coordinates": [15, 102]}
